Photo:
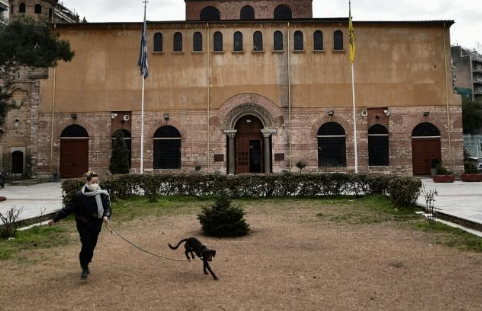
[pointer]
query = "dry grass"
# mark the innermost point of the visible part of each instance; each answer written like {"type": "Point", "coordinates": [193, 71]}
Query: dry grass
{"type": "Point", "coordinates": [301, 255]}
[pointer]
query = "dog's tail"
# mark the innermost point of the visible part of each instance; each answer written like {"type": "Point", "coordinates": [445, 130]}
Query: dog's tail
{"type": "Point", "coordinates": [175, 247]}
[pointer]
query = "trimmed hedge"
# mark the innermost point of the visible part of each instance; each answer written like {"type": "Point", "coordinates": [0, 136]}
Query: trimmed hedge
{"type": "Point", "coordinates": [402, 190]}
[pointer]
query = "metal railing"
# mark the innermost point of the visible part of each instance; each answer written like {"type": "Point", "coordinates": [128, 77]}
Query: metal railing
{"type": "Point", "coordinates": [473, 145]}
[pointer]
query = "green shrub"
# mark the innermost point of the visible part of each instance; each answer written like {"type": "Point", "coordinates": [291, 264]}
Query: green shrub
{"type": "Point", "coordinates": [223, 220]}
{"type": "Point", "coordinates": [245, 185]}
{"type": "Point", "coordinates": [119, 160]}
{"type": "Point", "coordinates": [441, 170]}
{"type": "Point", "coordinates": [404, 190]}
{"type": "Point", "coordinates": [470, 168]}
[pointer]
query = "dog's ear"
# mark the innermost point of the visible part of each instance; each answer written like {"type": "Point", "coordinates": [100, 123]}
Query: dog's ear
{"type": "Point", "coordinates": [214, 253]}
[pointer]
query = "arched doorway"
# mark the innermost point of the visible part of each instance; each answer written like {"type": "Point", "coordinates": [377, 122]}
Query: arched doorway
{"type": "Point", "coordinates": [74, 151]}
{"type": "Point", "coordinates": [17, 162]}
{"type": "Point", "coordinates": [249, 145]}
{"type": "Point", "coordinates": [331, 145]}
{"type": "Point", "coordinates": [167, 148]}
{"type": "Point", "coordinates": [426, 147]}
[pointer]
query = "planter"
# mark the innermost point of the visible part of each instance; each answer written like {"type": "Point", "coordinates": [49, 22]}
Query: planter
{"type": "Point", "coordinates": [471, 177]}
{"type": "Point", "coordinates": [443, 178]}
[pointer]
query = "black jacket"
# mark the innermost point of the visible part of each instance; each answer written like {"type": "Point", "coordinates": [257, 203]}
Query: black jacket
{"type": "Point", "coordinates": [85, 209]}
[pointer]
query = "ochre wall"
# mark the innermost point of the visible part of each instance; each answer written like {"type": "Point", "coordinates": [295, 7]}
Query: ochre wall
{"type": "Point", "coordinates": [397, 64]}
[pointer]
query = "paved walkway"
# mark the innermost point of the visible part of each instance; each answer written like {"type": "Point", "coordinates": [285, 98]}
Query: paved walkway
{"type": "Point", "coordinates": [459, 199]}
{"type": "Point", "coordinates": [34, 200]}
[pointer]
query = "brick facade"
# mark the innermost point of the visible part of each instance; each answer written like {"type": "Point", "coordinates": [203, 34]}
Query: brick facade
{"type": "Point", "coordinates": [230, 9]}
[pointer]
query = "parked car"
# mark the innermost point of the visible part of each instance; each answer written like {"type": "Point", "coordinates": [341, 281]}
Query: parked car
{"type": "Point", "coordinates": [477, 161]}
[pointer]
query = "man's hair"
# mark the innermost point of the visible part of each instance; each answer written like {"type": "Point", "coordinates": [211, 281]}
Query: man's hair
{"type": "Point", "coordinates": [90, 174]}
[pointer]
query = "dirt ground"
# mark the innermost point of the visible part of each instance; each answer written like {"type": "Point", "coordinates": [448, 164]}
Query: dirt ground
{"type": "Point", "coordinates": [293, 260]}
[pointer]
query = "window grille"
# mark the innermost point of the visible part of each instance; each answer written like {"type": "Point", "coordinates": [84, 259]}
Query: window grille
{"type": "Point", "coordinates": [74, 130]}
{"type": "Point", "coordinates": [338, 40]}
{"type": "Point", "coordinates": [38, 9]}
{"type": "Point", "coordinates": [282, 12]}
{"type": "Point", "coordinates": [378, 146]}
{"type": "Point", "coordinates": [257, 41]}
{"type": "Point", "coordinates": [425, 130]}
{"type": "Point", "coordinates": [177, 42]}
{"type": "Point", "coordinates": [331, 145]}
{"type": "Point", "coordinates": [238, 41]}
{"type": "Point", "coordinates": [210, 13]}
{"type": "Point", "coordinates": [278, 41]}
{"type": "Point", "coordinates": [318, 41]}
{"type": "Point", "coordinates": [167, 148]}
{"type": "Point", "coordinates": [158, 42]}
{"type": "Point", "coordinates": [218, 41]}
{"type": "Point", "coordinates": [197, 42]}
{"type": "Point", "coordinates": [298, 41]}
{"type": "Point", "coordinates": [247, 13]}
{"type": "Point", "coordinates": [21, 8]}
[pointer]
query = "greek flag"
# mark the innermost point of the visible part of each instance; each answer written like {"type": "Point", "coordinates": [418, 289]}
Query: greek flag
{"type": "Point", "coordinates": [143, 54]}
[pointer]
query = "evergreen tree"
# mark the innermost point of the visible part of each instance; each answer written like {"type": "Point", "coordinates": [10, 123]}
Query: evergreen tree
{"type": "Point", "coordinates": [119, 161]}
{"type": "Point", "coordinates": [471, 116]}
{"type": "Point", "coordinates": [27, 43]}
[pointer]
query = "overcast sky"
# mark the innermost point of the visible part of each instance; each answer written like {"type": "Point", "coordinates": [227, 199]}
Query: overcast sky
{"type": "Point", "coordinates": [467, 14]}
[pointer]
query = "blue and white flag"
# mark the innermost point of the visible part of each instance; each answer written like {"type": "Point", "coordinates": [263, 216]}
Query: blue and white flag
{"type": "Point", "coordinates": [143, 54]}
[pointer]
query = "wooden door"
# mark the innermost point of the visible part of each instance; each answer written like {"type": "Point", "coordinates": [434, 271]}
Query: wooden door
{"type": "Point", "coordinates": [249, 148]}
{"type": "Point", "coordinates": [423, 151]}
{"type": "Point", "coordinates": [74, 157]}
{"type": "Point", "coordinates": [242, 156]}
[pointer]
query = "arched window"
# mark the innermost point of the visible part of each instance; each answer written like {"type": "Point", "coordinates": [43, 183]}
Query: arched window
{"type": "Point", "coordinates": [177, 42]}
{"type": "Point", "coordinates": [283, 12]}
{"type": "Point", "coordinates": [257, 41]}
{"type": "Point", "coordinates": [128, 140]}
{"type": "Point", "coordinates": [278, 41]}
{"type": "Point", "coordinates": [158, 42]}
{"type": "Point", "coordinates": [247, 13]}
{"type": "Point", "coordinates": [238, 41]}
{"type": "Point", "coordinates": [331, 145]}
{"type": "Point", "coordinates": [218, 41]}
{"type": "Point", "coordinates": [38, 9]}
{"type": "Point", "coordinates": [425, 130]}
{"type": "Point", "coordinates": [167, 148]}
{"type": "Point", "coordinates": [17, 162]}
{"type": "Point", "coordinates": [378, 147]}
{"type": "Point", "coordinates": [21, 8]}
{"type": "Point", "coordinates": [210, 13]}
{"type": "Point", "coordinates": [338, 40]}
{"type": "Point", "coordinates": [74, 130]}
{"type": "Point", "coordinates": [318, 40]}
{"type": "Point", "coordinates": [298, 40]}
{"type": "Point", "coordinates": [197, 42]}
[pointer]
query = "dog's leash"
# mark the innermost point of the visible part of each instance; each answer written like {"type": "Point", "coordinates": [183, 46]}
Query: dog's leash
{"type": "Point", "coordinates": [114, 233]}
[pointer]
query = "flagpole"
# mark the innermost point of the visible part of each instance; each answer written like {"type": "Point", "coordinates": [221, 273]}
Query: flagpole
{"type": "Point", "coordinates": [143, 64]}
{"type": "Point", "coordinates": [352, 60]}
{"type": "Point", "coordinates": [354, 116]}
{"type": "Point", "coordinates": [142, 126]}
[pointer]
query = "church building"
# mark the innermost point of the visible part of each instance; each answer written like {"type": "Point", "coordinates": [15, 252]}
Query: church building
{"type": "Point", "coordinates": [249, 86]}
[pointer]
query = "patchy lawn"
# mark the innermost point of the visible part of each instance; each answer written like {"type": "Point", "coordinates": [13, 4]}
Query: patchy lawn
{"type": "Point", "coordinates": [332, 254]}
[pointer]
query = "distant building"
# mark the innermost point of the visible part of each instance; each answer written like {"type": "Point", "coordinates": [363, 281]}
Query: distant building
{"type": "Point", "coordinates": [49, 10]}
{"type": "Point", "coordinates": [3, 11]}
{"type": "Point", "coordinates": [467, 71]}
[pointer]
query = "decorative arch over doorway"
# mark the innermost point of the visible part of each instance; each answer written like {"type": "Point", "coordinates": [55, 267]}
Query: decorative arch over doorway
{"type": "Point", "coordinates": [426, 148]}
{"type": "Point", "coordinates": [74, 151]}
{"type": "Point", "coordinates": [246, 139]}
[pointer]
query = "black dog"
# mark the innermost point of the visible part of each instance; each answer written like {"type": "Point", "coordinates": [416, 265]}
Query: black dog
{"type": "Point", "coordinates": [192, 246]}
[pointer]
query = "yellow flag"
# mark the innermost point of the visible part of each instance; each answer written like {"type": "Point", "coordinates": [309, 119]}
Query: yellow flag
{"type": "Point", "coordinates": [352, 38]}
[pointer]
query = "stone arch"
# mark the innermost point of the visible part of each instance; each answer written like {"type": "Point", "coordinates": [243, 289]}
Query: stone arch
{"type": "Point", "coordinates": [249, 104]}
{"type": "Point", "coordinates": [160, 123]}
{"type": "Point", "coordinates": [316, 126]}
{"type": "Point", "coordinates": [441, 126]}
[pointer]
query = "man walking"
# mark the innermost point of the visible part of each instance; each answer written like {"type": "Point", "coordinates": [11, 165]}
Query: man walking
{"type": "Point", "coordinates": [91, 206]}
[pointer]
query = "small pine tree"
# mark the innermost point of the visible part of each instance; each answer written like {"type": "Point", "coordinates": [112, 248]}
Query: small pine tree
{"type": "Point", "coordinates": [223, 220]}
{"type": "Point", "coordinates": [119, 161]}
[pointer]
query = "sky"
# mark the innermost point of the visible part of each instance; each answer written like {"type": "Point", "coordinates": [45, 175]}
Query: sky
{"type": "Point", "coordinates": [467, 30]}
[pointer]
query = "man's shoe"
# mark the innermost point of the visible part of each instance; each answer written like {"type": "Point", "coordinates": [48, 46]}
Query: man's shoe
{"type": "Point", "coordinates": [85, 273]}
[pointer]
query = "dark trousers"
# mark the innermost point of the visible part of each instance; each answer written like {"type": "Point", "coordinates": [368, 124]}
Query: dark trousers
{"type": "Point", "coordinates": [88, 237]}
